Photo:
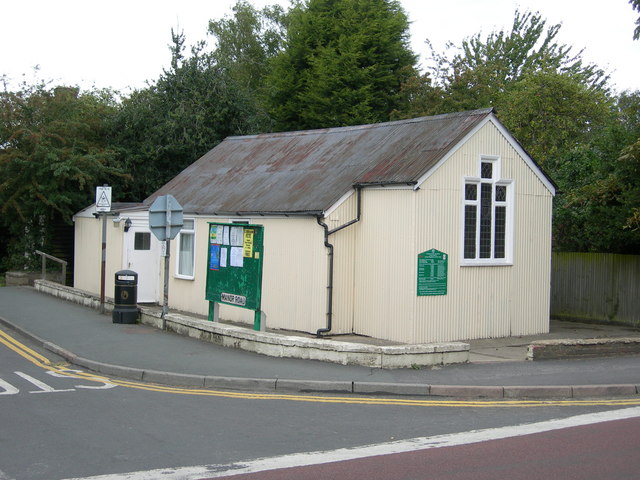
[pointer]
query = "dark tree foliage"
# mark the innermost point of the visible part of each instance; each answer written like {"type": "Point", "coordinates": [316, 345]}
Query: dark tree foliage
{"type": "Point", "coordinates": [344, 63]}
{"type": "Point", "coordinates": [192, 107]}
{"type": "Point", "coordinates": [599, 209]}
{"type": "Point", "coordinates": [552, 113]}
{"type": "Point", "coordinates": [53, 152]}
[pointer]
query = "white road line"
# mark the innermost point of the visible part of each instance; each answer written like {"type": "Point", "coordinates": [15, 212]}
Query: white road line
{"type": "Point", "coordinates": [7, 389]}
{"type": "Point", "coordinates": [342, 454]}
{"type": "Point", "coordinates": [44, 388]}
{"type": "Point", "coordinates": [4, 476]}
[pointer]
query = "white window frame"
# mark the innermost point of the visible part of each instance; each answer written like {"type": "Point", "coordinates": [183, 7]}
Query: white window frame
{"type": "Point", "coordinates": [240, 221]}
{"type": "Point", "coordinates": [508, 203]}
{"type": "Point", "coordinates": [183, 233]}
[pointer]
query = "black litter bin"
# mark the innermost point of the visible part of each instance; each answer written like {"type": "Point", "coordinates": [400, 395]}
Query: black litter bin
{"type": "Point", "coordinates": [126, 297]}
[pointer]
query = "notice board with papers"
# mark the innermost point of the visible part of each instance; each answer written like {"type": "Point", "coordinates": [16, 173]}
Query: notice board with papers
{"type": "Point", "coordinates": [234, 264]}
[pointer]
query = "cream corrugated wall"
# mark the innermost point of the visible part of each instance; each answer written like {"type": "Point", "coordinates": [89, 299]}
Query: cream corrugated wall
{"type": "Point", "coordinates": [293, 280]}
{"type": "Point", "coordinates": [482, 301]}
{"type": "Point", "coordinates": [88, 254]}
{"type": "Point", "coordinates": [344, 242]}
{"type": "Point", "coordinates": [184, 294]}
{"type": "Point", "coordinates": [295, 274]}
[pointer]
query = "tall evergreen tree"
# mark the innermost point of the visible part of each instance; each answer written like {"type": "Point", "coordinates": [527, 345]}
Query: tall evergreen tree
{"type": "Point", "coordinates": [344, 63]}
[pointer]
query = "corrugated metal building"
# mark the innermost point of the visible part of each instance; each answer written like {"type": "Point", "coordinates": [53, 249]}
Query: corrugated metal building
{"type": "Point", "coordinates": [346, 212]}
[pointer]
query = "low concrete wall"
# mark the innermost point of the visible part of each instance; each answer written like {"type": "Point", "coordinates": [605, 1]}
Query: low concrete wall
{"type": "Point", "coordinates": [582, 348]}
{"type": "Point", "coordinates": [19, 279]}
{"type": "Point", "coordinates": [277, 345]}
{"type": "Point", "coordinates": [71, 294]}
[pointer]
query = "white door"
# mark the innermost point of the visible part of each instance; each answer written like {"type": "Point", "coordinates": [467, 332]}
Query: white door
{"type": "Point", "coordinates": [143, 257]}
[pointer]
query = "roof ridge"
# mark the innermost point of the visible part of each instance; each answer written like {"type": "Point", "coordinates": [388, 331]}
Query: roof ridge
{"type": "Point", "coordinates": [350, 128]}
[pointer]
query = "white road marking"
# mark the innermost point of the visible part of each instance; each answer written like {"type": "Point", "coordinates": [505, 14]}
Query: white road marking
{"type": "Point", "coordinates": [104, 386]}
{"type": "Point", "coordinates": [342, 454]}
{"type": "Point", "coordinates": [4, 476]}
{"type": "Point", "coordinates": [44, 388]}
{"type": "Point", "coordinates": [8, 390]}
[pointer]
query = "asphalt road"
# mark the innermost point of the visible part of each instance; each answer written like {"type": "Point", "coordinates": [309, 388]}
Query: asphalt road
{"type": "Point", "coordinates": [58, 423]}
{"type": "Point", "coordinates": [589, 452]}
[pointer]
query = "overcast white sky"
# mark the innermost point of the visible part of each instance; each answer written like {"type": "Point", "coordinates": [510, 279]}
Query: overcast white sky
{"type": "Point", "coordinates": [123, 43]}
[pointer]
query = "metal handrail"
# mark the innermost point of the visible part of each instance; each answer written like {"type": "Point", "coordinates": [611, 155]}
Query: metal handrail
{"type": "Point", "coordinates": [55, 259]}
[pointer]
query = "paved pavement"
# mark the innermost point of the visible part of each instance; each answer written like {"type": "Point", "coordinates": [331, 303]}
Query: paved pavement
{"type": "Point", "coordinates": [497, 368]}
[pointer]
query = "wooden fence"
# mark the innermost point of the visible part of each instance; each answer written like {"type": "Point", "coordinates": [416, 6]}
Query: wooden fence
{"type": "Point", "coordinates": [596, 287]}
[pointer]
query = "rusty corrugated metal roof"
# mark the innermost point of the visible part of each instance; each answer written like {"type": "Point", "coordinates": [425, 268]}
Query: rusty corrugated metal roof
{"type": "Point", "coordinates": [309, 171]}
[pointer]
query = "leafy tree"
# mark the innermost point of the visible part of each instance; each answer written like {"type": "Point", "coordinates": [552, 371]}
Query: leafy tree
{"type": "Point", "coordinates": [344, 63]}
{"type": "Point", "coordinates": [245, 43]}
{"type": "Point", "coordinates": [552, 113]}
{"type": "Point", "coordinates": [599, 203]}
{"type": "Point", "coordinates": [53, 152]}
{"type": "Point", "coordinates": [483, 69]}
{"type": "Point", "coordinates": [193, 106]}
{"type": "Point", "coordinates": [418, 97]}
{"type": "Point", "coordinates": [604, 213]}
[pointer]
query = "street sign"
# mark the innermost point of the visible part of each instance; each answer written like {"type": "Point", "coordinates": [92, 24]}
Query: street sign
{"type": "Point", "coordinates": [165, 222]}
{"type": "Point", "coordinates": [165, 218]}
{"type": "Point", "coordinates": [103, 199]}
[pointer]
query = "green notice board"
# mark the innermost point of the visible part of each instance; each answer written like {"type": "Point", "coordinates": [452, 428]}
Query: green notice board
{"type": "Point", "coordinates": [432, 273]}
{"type": "Point", "coordinates": [234, 264]}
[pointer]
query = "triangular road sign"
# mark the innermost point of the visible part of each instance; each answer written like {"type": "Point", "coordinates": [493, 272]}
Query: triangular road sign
{"type": "Point", "coordinates": [103, 199]}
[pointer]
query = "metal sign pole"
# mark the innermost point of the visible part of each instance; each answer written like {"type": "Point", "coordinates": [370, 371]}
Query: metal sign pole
{"type": "Point", "coordinates": [165, 222]}
{"type": "Point", "coordinates": [167, 256]}
{"type": "Point", "coordinates": [103, 208]}
{"type": "Point", "coordinates": [104, 260]}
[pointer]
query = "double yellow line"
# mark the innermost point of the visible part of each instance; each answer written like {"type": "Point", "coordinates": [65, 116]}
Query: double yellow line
{"type": "Point", "coordinates": [62, 369]}
{"type": "Point", "coordinates": [23, 350]}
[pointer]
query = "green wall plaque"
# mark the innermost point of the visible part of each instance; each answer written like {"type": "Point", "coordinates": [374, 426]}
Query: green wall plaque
{"type": "Point", "coordinates": [234, 264]}
{"type": "Point", "coordinates": [432, 273]}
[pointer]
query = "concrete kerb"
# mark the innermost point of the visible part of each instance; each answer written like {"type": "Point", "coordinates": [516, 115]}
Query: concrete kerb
{"type": "Point", "coordinates": [239, 383]}
{"type": "Point", "coordinates": [305, 386]}
{"type": "Point", "coordinates": [345, 387]}
{"type": "Point", "coordinates": [112, 370]}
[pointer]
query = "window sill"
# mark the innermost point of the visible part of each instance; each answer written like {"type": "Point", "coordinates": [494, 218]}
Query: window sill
{"type": "Point", "coordinates": [184, 277]}
{"type": "Point", "coordinates": [485, 263]}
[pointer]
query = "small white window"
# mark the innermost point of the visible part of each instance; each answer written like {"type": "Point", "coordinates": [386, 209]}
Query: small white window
{"type": "Point", "coordinates": [186, 250]}
{"type": "Point", "coordinates": [487, 237]}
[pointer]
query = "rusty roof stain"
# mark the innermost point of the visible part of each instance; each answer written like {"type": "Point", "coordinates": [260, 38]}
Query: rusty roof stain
{"type": "Point", "coordinates": [306, 172]}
